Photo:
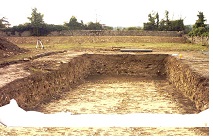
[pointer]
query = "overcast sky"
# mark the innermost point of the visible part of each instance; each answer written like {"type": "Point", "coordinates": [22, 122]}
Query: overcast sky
{"type": "Point", "coordinates": [110, 12]}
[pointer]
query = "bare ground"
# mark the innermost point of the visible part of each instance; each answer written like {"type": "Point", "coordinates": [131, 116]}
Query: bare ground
{"type": "Point", "coordinates": [114, 95]}
{"type": "Point", "coordinates": [119, 95]}
{"type": "Point", "coordinates": [122, 95]}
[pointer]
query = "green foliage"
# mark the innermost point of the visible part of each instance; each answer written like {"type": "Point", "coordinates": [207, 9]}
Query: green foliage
{"type": "Point", "coordinates": [43, 30]}
{"type": "Point", "coordinates": [38, 27]}
{"type": "Point", "coordinates": [187, 29]}
{"type": "Point", "coordinates": [157, 20]}
{"type": "Point", "coordinates": [36, 21]}
{"type": "Point", "coordinates": [21, 28]}
{"type": "Point", "coordinates": [134, 28]}
{"type": "Point", "coordinates": [164, 24]}
{"type": "Point", "coordinates": [167, 16]}
{"type": "Point", "coordinates": [94, 26]}
{"type": "Point", "coordinates": [4, 23]}
{"type": "Point", "coordinates": [200, 28]}
{"type": "Point", "coordinates": [200, 21]}
{"type": "Point", "coordinates": [176, 25]}
{"type": "Point", "coordinates": [107, 28]}
{"type": "Point", "coordinates": [52, 27]}
{"type": "Point", "coordinates": [152, 24]}
{"type": "Point", "coordinates": [149, 26]}
{"type": "Point", "coordinates": [74, 24]}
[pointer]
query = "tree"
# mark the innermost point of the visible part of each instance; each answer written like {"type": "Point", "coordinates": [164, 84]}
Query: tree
{"type": "Point", "coordinates": [157, 20]}
{"type": "Point", "coordinates": [166, 24]}
{"type": "Point", "coordinates": [167, 16]}
{"type": "Point", "coordinates": [152, 24]}
{"type": "Point", "coordinates": [4, 23]}
{"type": "Point", "coordinates": [200, 21]}
{"type": "Point", "coordinates": [200, 28]}
{"type": "Point", "coordinates": [21, 28]}
{"type": "Point", "coordinates": [187, 29]}
{"type": "Point", "coordinates": [134, 28]}
{"type": "Point", "coordinates": [37, 22]}
{"type": "Point", "coordinates": [74, 24]}
{"type": "Point", "coordinates": [94, 26]}
{"type": "Point", "coordinates": [176, 25]}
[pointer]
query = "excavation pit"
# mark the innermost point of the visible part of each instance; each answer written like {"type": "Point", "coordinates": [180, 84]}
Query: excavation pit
{"type": "Point", "coordinates": [112, 84]}
{"type": "Point", "coordinates": [143, 75]}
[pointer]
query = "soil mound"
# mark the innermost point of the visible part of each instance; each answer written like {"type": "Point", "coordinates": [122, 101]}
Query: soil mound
{"type": "Point", "coordinates": [8, 49]}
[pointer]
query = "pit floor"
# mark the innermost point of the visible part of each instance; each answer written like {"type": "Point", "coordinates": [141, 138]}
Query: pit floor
{"type": "Point", "coordinates": [120, 95]}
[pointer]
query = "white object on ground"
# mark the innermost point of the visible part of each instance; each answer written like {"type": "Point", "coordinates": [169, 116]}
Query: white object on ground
{"type": "Point", "coordinates": [12, 115]}
{"type": "Point", "coordinates": [174, 54]}
{"type": "Point", "coordinates": [39, 42]}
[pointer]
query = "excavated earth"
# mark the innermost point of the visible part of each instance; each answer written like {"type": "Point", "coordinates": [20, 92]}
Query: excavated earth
{"type": "Point", "coordinates": [105, 83]}
{"type": "Point", "coordinates": [8, 49]}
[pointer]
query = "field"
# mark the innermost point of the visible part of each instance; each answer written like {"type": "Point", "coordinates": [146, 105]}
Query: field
{"type": "Point", "coordinates": [90, 75]}
{"type": "Point", "coordinates": [102, 43]}
{"type": "Point", "coordinates": [107, 42]}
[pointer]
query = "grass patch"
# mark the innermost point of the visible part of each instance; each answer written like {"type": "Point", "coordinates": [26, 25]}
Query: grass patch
{"type": "Point", "coordinates": [79, 43]}
{"type": "Point", "coordinates": [92, 42]}
{"type": "Point", "coordinates": [154, 46]}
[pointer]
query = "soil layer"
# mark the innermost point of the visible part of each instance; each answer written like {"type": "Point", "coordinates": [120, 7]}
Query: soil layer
{"type": "Point", "coordinates": [106, 83]}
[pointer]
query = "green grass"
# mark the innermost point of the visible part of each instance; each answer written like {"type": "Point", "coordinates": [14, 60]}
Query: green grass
{"type": "Point", "coordinates": [154, 46]}
{"type": "Point", "coordinates": [101, 42]}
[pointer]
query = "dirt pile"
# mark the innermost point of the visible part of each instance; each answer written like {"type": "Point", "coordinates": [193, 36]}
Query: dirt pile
{"type": "Point", "coordinates": [8, 49]}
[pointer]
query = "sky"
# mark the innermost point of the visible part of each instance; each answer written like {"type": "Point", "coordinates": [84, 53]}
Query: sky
{"type": "Point", "coordinates": [116, 13]}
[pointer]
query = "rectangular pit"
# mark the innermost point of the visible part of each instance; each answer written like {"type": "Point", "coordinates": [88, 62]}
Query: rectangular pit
{"type": "Point", "coordinates": [37, 89]}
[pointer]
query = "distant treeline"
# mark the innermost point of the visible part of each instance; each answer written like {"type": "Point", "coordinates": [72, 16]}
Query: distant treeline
{"type": "Point", "coordinates": [165, 24]}
{"type": "Point", "coordinates": [38, 27]}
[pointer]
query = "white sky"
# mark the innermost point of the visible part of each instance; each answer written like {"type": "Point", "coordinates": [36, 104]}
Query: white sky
{"type": "Point", "coordinates": [110, 12]}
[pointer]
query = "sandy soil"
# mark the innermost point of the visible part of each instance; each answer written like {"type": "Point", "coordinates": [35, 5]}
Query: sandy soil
{"type": "Point", "coordinates": [106, 95]}
{"type": "Point", "coordinates": [114, 95]}
{"type": "Point", "coordinates": [120, 95]}
{"type": "Point", "coordinates": [11, 73]}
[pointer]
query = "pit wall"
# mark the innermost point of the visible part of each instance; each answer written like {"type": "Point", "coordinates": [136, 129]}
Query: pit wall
{"type": "Point", "coordinates": [190, 83]}
{"type": "Point", "coordinates": [148, 65]}
{"type": "Point", "coordinates": [39, 88]}
{"type": "Point", "coordinates": [36, 89]}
